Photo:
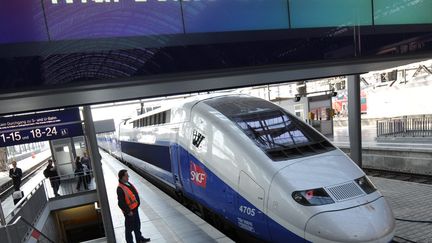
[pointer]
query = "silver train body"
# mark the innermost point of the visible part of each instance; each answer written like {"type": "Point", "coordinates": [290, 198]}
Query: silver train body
{"type": "Point", "coordinates": [257, 166]}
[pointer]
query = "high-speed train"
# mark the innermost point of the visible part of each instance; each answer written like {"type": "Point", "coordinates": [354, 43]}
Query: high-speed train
{"type": "Point", "coordinates": [257, 166]}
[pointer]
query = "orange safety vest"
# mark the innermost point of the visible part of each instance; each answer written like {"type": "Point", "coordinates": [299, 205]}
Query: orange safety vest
{"type": "Point", "coordinates": [129, 196]}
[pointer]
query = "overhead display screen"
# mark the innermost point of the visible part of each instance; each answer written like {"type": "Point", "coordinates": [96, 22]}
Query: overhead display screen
{"type": "Point", "coordinates": [56, 20]}
{"type": "Point", "coordinates": [390, 12]}
{"type": "Point", "coordinates": [22, 21]}
{"type": "Point", "coordinates": [68, 19]}
{"type": "Point", "coordinates": [235, 15]}
{"type": "Point", "coordinates": [51, 43]}
{"type": "Point", "coordinates": [330, 13]}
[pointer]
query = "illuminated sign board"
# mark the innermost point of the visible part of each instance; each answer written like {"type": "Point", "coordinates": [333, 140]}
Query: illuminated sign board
{"type": "Point", "coordinates": [22, 21]}
{"type": "Point", "coordinates": [334, 13]}
{"type": "Point", "coordinates": [40, 127]}
{"type": "Point", "coordinates": [68, 19]}
{"type": "Point", "coordinates": [391, 12]}
{"type": "Point", "coordinates": [54, 20]}
{"type": "Point", "coordinates": [235, 15]}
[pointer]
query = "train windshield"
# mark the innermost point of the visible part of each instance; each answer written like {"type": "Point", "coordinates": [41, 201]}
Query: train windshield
{"type": "Point", "coordinates": [280, 135]}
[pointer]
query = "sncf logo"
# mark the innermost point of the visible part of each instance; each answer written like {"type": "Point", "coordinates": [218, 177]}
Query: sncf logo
{"type": "Point", "coordinates": [198, 175]}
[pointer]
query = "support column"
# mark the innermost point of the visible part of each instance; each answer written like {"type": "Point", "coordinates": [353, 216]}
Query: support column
{"type": "Point", "coordinates": [98, 174]}
{"type": "Point", "coordinates": [354, 118]}
{"type": "Point", "coordinates": [3, 167]}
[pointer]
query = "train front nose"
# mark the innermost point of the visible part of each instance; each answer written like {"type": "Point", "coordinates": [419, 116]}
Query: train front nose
{"type": "Point", "coordinates": [372, 222]}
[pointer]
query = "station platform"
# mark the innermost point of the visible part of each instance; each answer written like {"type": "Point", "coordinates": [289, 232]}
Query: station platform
{"type": "Point", "coordinates": [162, 218]}
{"type": "Point", "coordinates": [409, 201]}
{"type": "Point", "coordinates": [370, 140]}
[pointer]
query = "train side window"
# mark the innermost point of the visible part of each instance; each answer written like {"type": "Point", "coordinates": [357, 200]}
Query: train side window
{"type": "Point", "coordinates": [164, 117]}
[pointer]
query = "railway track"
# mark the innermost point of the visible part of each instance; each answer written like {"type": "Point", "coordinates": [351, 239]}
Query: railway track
{"type": "Point", "coordinates": [401, 176]}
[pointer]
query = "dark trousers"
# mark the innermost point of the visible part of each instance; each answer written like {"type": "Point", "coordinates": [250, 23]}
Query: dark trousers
{"type": "Point", "coordinates": [55, 184]}
{"type": "Point", "coordinates": [81, 179]}
{"type": "Point", "coordinates": [133, 223]}
{"type": "Point", "coordinates": [17, 184]}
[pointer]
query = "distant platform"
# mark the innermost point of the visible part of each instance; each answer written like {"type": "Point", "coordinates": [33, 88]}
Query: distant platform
{"type": "Point", "coordinates": [26, 165]}
{"type": "Point", "coordinates": [410, 201]}
{"type": "Point", "coordinates": [162, 218]}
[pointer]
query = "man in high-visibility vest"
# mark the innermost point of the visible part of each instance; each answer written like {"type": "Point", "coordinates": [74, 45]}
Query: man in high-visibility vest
{"type": "Point", "coordinates": [128, 201]}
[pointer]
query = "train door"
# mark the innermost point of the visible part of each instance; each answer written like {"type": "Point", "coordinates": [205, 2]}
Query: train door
{"type": "Point", "coordinates": [251, 206]}
{"type": "Point", "coordinates": [175, 156]}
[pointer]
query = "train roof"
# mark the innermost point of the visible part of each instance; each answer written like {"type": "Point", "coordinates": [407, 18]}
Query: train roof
{"type": "Point", "coordinates": [186, 102]}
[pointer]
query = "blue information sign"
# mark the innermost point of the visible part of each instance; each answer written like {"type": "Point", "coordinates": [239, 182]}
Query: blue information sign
{"type": "Point", "coordinates": [40, 127]}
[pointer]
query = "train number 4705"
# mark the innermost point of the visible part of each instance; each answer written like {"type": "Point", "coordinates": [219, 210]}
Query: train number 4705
{"type": "Point", "coordinates": [247, 210]}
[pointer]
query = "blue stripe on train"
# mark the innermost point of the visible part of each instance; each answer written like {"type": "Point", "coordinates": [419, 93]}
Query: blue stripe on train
{"type": "Point", "coordinates": [157, 155]}
{"type": "Point", "coordinates": [221, 198]}
{"type": "Point", "coordinates": [217, 195]}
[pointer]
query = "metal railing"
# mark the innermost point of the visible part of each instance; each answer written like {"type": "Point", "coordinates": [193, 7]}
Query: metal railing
{"type": "Point", "coordinates": [413, 126]}
{"type": "Point", "coordinates": [21, 220]}
{"type": "Point", "coordinates": [69, 183]}
{"type": "Point", "coordinates": [20, 230]}
{"type": "Point", "coordinates": [31, 205]}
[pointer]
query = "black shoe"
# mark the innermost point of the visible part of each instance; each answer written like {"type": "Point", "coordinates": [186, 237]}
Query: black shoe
{"type": "Point", "coordinates": [144, 240]}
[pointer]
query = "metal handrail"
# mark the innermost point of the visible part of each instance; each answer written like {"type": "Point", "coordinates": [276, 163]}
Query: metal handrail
{"type": "Point", "coordinates": [413, 126]}
{"type": "Point", "coordinates": [22, 201]}
{"type": "Point", "coordinates": [31, 207]}
{"type": "Point", "coordinates": [31, 226]}
{"type": "Point", "coordinates": [26, 198]}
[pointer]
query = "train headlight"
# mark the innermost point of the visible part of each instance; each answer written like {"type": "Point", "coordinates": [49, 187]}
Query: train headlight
{"type": "Point", "coordinates": [313, 197]}
{"type": "Point", "coordinates": [366, 185]}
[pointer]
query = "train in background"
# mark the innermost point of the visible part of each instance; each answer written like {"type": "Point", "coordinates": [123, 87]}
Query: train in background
{"type": "Point", "coordinates": [253, 164]}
